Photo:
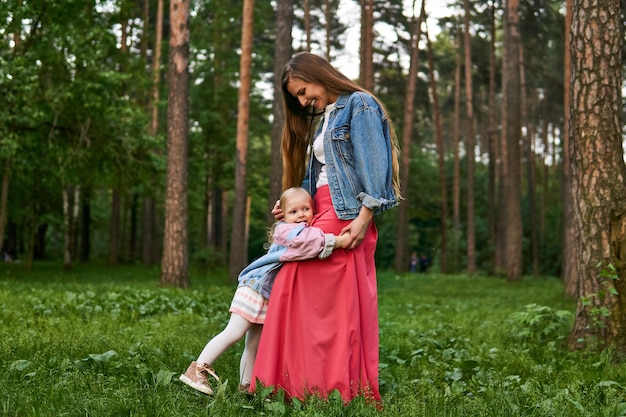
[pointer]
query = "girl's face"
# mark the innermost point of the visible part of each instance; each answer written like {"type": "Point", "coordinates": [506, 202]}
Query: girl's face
{"type": "Point", "coordinates": [298, 209]}
{"type": "Point", "coordinates": [310, 94]}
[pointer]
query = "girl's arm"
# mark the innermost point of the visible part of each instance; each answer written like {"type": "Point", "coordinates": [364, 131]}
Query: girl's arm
{"type": "Point", "coordinates": [307, 243]}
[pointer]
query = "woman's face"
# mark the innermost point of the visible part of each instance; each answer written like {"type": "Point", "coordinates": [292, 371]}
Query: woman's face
{"type": "Point", "coordinates": [310, 94]}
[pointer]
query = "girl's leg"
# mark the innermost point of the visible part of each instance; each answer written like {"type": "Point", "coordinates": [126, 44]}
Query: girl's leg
{"type": "Point", "coordinates": [249, 354]}
{"type": "Point", "coordinates": [235, 329]}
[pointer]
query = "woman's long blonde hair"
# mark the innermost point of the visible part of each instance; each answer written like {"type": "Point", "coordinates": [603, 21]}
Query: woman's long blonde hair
{"type": "Point", "coordinates": [298, 127]}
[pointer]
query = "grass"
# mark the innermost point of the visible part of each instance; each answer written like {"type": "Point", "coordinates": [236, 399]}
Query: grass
{"type": "Point", "coordinates": [110, 342]}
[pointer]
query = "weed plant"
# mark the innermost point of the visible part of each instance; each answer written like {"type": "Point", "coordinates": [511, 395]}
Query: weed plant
{"type": "Point", "coordinates": [103, 342]}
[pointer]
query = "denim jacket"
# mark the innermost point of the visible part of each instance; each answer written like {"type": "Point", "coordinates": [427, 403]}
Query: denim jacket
{"type": "Point", "coordinates": [357, 149]}
{"type": "Point", "coordinates": [291, 242]}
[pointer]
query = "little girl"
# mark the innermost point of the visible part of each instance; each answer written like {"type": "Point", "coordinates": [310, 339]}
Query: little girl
{"type": "Point", "coordinates": [292, 239]}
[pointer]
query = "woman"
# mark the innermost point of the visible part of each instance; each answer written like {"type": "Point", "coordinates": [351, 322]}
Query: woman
{"type": "Point", "coordinates": [321, 330]}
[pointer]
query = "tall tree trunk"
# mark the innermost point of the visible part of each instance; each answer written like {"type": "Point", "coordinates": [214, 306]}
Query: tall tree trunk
{"type": "Point", "coordinates": [85, 228]}
{"type": "Point", "coordinates": [175, 263]}
{"type": "Point", "coordinates": [469, 140]}
{"type": "Point", "coordinates": [307, 24]}
{"type": "Point", "coordinates": [6, 170]}
{"type": "Point", "coordinates": [529, 158]}
{"type": "Point", "coordinates": [569, 272]}
{"type": "Point", "coordinates": [443, 256]}
{"type": "Point", "coordinates": [282, 54]}
{"type": "Point", "coordinates": [70, 215]}
{"type": "Point", "coordinates": [456, 182]}
{"type": "Point", "coordinates": [132, 242]}
{"type": "Point", "coordinates": [4, 199]}
{"type": "Point", "coordinates": [598, 175]}
{"type": "Point", "coordinates": [239, 244]}
{"type": "Point", "coordinates": [148, 250]}
{"type": "Point", "coordinates": [511, 95]}
{"type": "Point", "coordinates": [115, 228]}
{"type": "Point", "coordinates": [401, 262]}
{"type": "Point", "coordinates": [366, 73]}
{"type": "Point", "coordinates": [492, 138]}
{"type": "Point", "coordinates": [327, 27]}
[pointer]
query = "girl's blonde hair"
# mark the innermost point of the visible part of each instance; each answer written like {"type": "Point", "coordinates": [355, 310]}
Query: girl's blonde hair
{"type": "Point", "coordinates": [298, 126]}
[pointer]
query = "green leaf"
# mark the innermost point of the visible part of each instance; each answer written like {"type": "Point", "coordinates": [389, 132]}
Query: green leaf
{"type": "Point", "coordinates": [19, 365]}
{"type": "Point", "coordinates": [102, 358]}
{"type": "Point", "coordinates": [164, 377]}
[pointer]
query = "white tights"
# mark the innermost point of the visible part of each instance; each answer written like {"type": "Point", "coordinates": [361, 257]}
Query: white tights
{"type": "Point", "coordinates": [236, 328]}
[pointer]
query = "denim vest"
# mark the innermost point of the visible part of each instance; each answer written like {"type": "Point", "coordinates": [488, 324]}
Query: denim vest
{"type": "Point", "coordinates": [357, 149]}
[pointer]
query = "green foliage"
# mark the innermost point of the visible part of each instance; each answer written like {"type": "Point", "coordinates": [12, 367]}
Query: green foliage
{"type": "Point", "coordinates": [109, 342]}
{"type": "Point", "coordinates": [540, 328]}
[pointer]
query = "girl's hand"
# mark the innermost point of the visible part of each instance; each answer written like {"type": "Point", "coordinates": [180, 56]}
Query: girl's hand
{"type": "Point", "coordinates": [277, 212]}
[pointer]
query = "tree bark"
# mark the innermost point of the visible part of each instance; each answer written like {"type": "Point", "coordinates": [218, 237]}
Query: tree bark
{"type": "Point", "coordinates": [4, 199]}
{"type": "Point", "coordinates": [443, 226]}
{"type": "Point", "coordinates": [492, 140]}
{"type": "Point", "coordinates": [85, 229]}
{"type": "Point", "coordinates": [569, 272]}
{"type": "Point", "coordinates": [456, 182]}
{"type": "Point", "coordinates": [114, 228]}
{"type": "Point", "coordinates": [366, 73]}
{"type": "Point", "coordinates": [469, 140]}
{"type": "Point", "coordinates": [148, 249]}
{"type": "Point", "coordinates": [282, 54]}
{"type": "Point", "coordinates": [401, 261]}
{"type": "Point", "coordinates": [529, 158]}
{"type": "Point", "coordinates": [239, 244]}
{"type": "Point", "coordinates": [512, 135]}
{"type": "Point", "coordinates": [175, 263]}
{"type": "Point", "coordinates": [598, 175]}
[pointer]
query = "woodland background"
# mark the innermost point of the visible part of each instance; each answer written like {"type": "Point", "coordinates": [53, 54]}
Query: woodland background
{"type": "Point", "coordinates": [136, 132]}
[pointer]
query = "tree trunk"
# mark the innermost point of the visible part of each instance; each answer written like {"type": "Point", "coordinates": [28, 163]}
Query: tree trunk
{"type": "Point", "coordinates": [492, 139]}
{"type": "Point", "coordinates": [366, 73]}
{"type": "Point", "coordinates": [85, 228]}
{"type": "Point", "coordinates": [148, 250]}
{"type": "Point", "coordinates": [327, 27]}
{"type": "Point", "coordinates": [570, 255]}
{"type": "Point", "coordinates": [530, 162]}
{"type": "Point", "coordinates": [239, 244]}
{"type": "Point", "coordinates": [132, 242]}
{"type": "Point", "coordinates": [175, 263]}
{"type": "Point", "coordinates": [114, 228]}
{"type": "Point", "coordinates": [282, 54]}
{"type": "Point", "coordinates": [512, 135]}
{"type": "Point", "coordinates": [598, 175]}
{"type": "Point", "coordinates": [469, 140]}
{"type": "Point", "coordinates": [456, 182]}
{"type": "Point", "coordinates": [70, 214]}
{"type": "Point", "coordinates": [4, 199]}
{"type": "Point", "coordinates": [401, 262]}
{"type": "Point", "coordinates": [307, 24]}
{"type": "Point", "coordinates": [443, 255]}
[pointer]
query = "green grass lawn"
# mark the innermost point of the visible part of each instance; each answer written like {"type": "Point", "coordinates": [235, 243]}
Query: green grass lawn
{"type": "Point", "coordinates": [103, 341]}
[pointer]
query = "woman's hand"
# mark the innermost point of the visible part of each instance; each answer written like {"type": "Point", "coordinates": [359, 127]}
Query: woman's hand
{"type": "Point", "coordinates": [357, 228]}
{"type": "Point", "coordinates": [277, 212]}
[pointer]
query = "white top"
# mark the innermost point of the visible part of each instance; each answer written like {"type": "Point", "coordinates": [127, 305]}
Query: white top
{"type": "Point", "coordinates": [318, 147]}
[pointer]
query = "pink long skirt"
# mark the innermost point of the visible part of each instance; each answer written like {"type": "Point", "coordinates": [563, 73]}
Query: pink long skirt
{"type": "Point", "coordinates": [321, 329]}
